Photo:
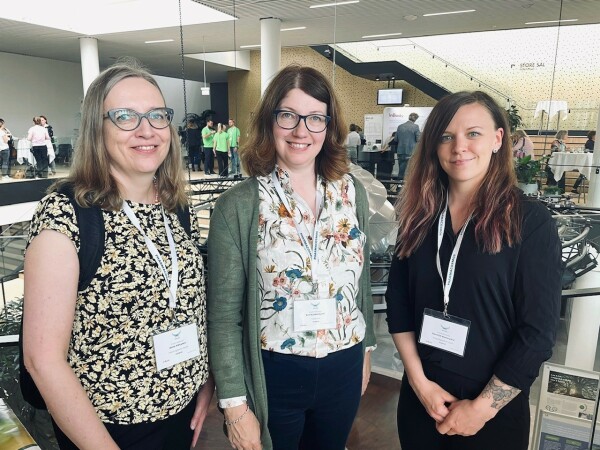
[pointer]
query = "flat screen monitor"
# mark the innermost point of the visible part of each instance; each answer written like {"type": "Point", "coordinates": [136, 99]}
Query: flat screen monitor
{"type": "Point", "coordinates": [389, 97]}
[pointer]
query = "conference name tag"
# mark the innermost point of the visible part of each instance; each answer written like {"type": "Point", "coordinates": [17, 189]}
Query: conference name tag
{"type": "Point", "coordinates": [318, 314]}
{"type": "Point", "coordinates": [448, 333]}
{"type": "Point", "coordinates": [176, 346]}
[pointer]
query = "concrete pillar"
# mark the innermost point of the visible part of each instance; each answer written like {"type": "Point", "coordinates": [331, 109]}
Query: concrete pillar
{"type": "Point", "coordinates": [270, 50]}
{"type": "Point", "coordinates": [584, 325]}
{"type": "Point", "coordinates": [90, 66]}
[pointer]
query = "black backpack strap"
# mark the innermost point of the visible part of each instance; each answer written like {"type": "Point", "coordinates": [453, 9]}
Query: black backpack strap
{"type": "Point", "coordinates": [183, 214]}
{"type": "Point", "coordinates": [91, 237]}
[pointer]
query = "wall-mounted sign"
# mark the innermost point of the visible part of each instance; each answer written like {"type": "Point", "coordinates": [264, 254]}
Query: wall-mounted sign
{"type": "Point", "coordinates": [528, 65]}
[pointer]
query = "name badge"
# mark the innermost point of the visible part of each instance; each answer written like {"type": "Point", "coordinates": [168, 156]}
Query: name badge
{"type": "Point", "coordinates": [448, 333]}
{"type": "Point", "coordinates": [318, 314]}
{"type": "Point", "coordinates": [176, 346]}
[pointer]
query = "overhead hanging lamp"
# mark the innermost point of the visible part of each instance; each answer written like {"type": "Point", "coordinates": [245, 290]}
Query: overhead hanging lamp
{"type": "Point", "coordinates": [205, 90]}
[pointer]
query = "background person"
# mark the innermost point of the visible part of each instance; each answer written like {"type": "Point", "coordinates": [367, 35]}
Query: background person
{"type": "Point", "coordinates": [5, 137]}
{"type": "Point", "coordinates": [38, 135]}
{"type": "Point", "coordinates": [472, 246]}
{"type": "Point", "coordinates": [234, 144]}
{"type": "Point", "coordinates": [51, 157]}
{"type": "Point", "coordinates": [311, 251]}
{"type": "Point", "coordinates": [559, 144]}
{"type": "Point", "coordinates": [407, 135]}
{"type": "Point", "coordinates": [352, 143]}
{"type": "Point", "coordinates": [521, 145]}
{"type": "Point", "coordinates": [221, 150]}
{"type": "Point", "coordinates": [386, 161]}
{"type": "Point", "coordinates": [208, 135]}
{"type": "Point", "coordinates": [193, 139]}
{"type": "Point", "coordinates": [93, 354]}
{"type": "Point", "coordinates": [589, 144]}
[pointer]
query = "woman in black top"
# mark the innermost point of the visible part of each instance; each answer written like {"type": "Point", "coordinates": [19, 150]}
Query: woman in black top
{"type": "Point", "coordinates": [470, 245]}
{"type": "Point", "coordinates": [589, 144]}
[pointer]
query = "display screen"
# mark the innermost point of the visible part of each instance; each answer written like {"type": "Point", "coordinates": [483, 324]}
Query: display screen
{"type": "Point", "coordinates": [389, 97]}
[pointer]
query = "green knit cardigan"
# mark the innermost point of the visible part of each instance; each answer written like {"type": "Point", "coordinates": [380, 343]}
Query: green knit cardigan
{"type": "Point", "coordinates": [233, 308]}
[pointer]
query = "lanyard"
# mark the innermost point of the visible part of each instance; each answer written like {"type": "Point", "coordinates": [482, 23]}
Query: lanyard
{"type": "Point", "coordinates": [452, 264]}
{"type": "Point", "coordinates": [301, 227]}
{"type": "Point", "coordinates": [156, 255]}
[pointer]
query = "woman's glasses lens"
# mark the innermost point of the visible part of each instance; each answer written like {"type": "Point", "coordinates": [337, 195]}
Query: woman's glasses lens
{"type": "Point", "coordinates": [289, 120]}
{"type": "Point", "coordinates": [128, 119]}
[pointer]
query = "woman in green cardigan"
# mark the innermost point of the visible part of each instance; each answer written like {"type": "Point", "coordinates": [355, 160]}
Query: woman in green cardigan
{"type": "Point", "coordinates": [290, 316]}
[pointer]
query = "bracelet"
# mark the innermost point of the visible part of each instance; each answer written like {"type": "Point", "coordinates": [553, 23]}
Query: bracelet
{"type": "Point", "coordinates": [233, 422]}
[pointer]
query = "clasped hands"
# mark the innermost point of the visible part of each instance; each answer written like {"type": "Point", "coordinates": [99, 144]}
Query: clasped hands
{"type": "Point", "coordinates": [453, 416]}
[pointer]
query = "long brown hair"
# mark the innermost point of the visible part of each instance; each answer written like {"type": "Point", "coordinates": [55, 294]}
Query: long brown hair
{"type": "Point", "coordinates": [90, 174]}
{"type": "Point", "coordinates": [495, 207]}
{"type": "Point", "coordinates": [258, 155]}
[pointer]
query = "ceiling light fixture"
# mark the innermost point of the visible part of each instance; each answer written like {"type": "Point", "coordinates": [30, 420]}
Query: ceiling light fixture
{"type": "Point", "coordinates": [324, 5]}
{"type": "Point", "coordinates": [250, 46]}
{"type": "Point", "coordinates": [205, 90]}
{"type": "Point", "coordinates": [293, 29]}
{"type": "Point", "coordinates": [552, 21]}
{"type": "Point", "coordinates": [381, 35]}
{"type": "Point", "coordinates": [449, 12]}
{"type": "Point", "coordinates": [158, 41]}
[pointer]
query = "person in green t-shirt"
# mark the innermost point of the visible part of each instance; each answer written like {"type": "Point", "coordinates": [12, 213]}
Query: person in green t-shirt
{"type": "Point", "coordinates": [221, 149]}
{"type": "Point", "coordinates": [208, 134]}
{"type": "Point", "coordinates": [234, 145]}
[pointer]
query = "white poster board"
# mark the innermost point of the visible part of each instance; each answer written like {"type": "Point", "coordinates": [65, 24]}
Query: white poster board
{"type": "Point", "coordinates": [567, 396]}
{"type": "Point", "coordinates": [373, 131]}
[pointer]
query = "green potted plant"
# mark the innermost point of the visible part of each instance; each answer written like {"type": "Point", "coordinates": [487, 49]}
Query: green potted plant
{"type": "Point", "coordinates": [527, 170]}
{"type": "Point", "coordinates": [514, 119]}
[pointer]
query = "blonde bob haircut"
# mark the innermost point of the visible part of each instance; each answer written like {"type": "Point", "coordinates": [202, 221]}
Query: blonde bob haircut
{"type": "Point", "coordinates": [90, 175]}
{"type": "Point", "coordinates": [258, 156]}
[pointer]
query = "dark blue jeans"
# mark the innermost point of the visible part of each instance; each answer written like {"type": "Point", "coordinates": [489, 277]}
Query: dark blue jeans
{"type": "Point", "coordinates": [209, 163]}
{"type": "Point", "coordinates": [313, 399]}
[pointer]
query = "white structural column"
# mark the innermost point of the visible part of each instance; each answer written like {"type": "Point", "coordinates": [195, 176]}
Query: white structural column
{"type": "Point", "coordinates": [90, 66]}
{"type": "Point", "coordinates": [585, 314]}
{"type": "Point", "coordinates": [270, 50]}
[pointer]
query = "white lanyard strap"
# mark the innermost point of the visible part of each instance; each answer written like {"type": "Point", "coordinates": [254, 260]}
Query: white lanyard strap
{"type": "Point", "coordinates": [156, 255]}
{"type": "Point", "coordinates": [452, 264]}
{"type": "Point", "coordinates": [301, 227]}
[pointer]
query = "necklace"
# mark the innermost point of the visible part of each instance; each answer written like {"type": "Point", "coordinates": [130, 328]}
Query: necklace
{"type": "Point", "coordinates": [155, 183]}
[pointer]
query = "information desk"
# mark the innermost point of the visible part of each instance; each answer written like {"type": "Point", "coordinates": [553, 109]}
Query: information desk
{"type": "Point", "coordinates": [560, 162]}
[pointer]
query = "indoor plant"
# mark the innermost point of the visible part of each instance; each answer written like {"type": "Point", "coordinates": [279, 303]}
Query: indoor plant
{"type": "Point", "coordinates": [527, 170]}
{"type": "Point", "coordinates": [514, 119]}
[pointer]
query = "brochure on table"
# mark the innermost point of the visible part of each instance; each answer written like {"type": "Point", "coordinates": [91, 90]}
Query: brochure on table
{"type": "Point", "coordinates": [566, 408]}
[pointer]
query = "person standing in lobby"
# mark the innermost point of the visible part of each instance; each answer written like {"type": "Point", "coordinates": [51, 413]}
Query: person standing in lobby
{"type": "Point", "coordinates": [352, 143]}
{"type": "Point", "coordinates": [589, 144]}
{"type": "Point", "coordinates": [473, 297]}
{"type": "Point", "coordinates": [290, 313]}
{"type": "Point", "coordinates": [234, 144]}
{"type": "Point", "coordinates": [221, 150]}
{"type": "Point", "coordinates": [407, 136]}
{"type": "Point", "coordinates": [38, 135]}
{"type": "Point", "coordinates": [208, 134]}
{"type": "Point", "coordinates": [5, 137]}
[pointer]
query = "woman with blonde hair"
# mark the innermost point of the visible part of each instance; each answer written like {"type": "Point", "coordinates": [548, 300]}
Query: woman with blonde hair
{"type": "Point", "coordinates": [101, 354]}
{"type": "Point", "coordinates": [521, 145]}
{"type": "Point", "coordinates": [474, 288]}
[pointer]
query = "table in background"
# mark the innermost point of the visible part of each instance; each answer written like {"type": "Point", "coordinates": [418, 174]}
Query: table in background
{"type": "Point", "coordinates": [561, 162]}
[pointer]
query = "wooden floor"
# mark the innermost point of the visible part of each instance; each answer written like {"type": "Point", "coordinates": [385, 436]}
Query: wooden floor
{"type": "Point", "coordinates": [374, 427]}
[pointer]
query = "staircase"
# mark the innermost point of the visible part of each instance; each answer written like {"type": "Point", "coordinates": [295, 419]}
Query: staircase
{"type": "Point", "coordinates": [12, 249]}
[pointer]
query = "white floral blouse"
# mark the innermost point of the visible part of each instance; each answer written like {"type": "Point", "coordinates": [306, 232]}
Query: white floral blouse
{"type": "Point", "coordinates": [284, 266]}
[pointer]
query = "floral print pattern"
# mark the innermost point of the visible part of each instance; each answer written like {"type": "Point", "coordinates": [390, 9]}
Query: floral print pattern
{"type": "Point", "coordinates": [125, 305]}
{"type": "Point", "coordinates": [285, 267]}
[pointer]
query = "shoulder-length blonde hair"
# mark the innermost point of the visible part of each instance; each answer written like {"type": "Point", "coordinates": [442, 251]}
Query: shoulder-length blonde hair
{"type": "Point", "coordinates": [258, 155]}
{"type": "Point", "coordinates": [495, 207]}
{"type": "Point", "coordinates": [90, 176]}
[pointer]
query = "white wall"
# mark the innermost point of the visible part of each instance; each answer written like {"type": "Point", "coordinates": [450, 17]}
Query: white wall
{"type": "Point", "coordinates": [32, 86]}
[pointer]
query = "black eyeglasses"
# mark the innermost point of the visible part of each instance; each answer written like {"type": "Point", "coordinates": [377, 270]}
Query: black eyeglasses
{"type": "Point", "coordinates": [128, 119]}
{"type": "Point", "coordinates": [288, 120]}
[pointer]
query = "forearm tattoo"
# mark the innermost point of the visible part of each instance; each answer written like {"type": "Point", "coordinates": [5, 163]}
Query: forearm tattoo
{"type": "Point", "coordinates": [499, 392]}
